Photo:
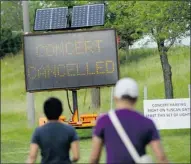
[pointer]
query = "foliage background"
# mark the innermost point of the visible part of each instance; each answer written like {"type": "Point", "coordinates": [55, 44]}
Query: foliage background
{"type": "Point", "coordinates": [132, 21]}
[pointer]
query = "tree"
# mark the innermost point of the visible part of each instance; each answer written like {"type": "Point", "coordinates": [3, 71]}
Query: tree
{"type": "Point", "coordinates": [120, 16]}
{"type": "Point", "coordinates": [11, 15]}
{"type": "Point", "coordinates": [11, 12]}
{"type": "Point", "coordinates": [165, 22]}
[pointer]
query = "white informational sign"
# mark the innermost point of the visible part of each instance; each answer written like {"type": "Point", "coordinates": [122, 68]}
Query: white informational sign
{"type": "Point", "coordinates": [168, 113]}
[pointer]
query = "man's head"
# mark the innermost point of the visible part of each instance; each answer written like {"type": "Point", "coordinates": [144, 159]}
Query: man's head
{"type": "Point", "coordinates": [53, 108]}
{"type": "Point", "coordinates": [126, 92]}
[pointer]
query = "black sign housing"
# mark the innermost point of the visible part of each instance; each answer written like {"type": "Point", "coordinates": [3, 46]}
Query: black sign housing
{"type": "Point", "coordinates": [70, 60]}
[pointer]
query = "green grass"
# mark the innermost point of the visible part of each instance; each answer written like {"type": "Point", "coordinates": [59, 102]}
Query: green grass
{"type": "Point", "coordinates": [143, 65]}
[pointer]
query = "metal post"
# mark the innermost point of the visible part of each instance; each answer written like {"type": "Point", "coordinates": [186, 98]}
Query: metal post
{"type": "Point", "coordinates": [75, 102]}
{"type": "Point", "coordinates": [26, 23]}
{"type": "Point", "coordinates": [189, 90]}
{"type": "Point", "coordinates": [30, 96]}
{"type": "Point", "coordinates": [145, 92]}
{"type": "Point", "coordinates": [111, 105]}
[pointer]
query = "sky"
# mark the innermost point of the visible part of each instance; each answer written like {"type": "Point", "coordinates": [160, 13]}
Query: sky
{"type": "Point", "coordinates": [151, 44]}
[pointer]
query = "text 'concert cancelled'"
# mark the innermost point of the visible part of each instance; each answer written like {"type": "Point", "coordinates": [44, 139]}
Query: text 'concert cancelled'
{"type": "Point", "coordinates": [70, 60]}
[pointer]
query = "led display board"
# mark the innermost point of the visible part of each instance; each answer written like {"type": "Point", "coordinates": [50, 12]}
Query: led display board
{"type": "Point", "coordinates": [70, 60]}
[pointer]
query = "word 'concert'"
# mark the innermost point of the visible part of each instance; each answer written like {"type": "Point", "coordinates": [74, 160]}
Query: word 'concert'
{"type": "Point", "coordinates": [69, 48]}
{"type": "Point", "coordinates": [63, 70]}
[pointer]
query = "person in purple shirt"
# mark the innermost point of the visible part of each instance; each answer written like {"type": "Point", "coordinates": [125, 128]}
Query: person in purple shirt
{"type": "Point", "coordinates": [141, 130]}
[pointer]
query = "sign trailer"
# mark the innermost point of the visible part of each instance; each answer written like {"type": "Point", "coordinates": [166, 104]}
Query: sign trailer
{"type": "Point", "coordinates": [71, 61]}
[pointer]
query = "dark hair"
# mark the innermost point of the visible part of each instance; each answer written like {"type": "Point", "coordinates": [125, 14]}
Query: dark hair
{"type": "Point", "coordinates": [53, 108]}
{"type": "Point", "coordinates": [129, 98]}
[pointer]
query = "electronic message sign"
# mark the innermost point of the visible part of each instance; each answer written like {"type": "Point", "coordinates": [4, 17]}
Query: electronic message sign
{"type": "Point", "coordinates": [70, 60]}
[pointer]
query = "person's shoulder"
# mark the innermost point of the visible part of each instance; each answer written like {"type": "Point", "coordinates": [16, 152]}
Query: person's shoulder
{"type": "Point", "coordinates": [62, 127]}
{"type": "Point", "coordinates": [41, 129]}
{"type": "Point", "coordinates": [144, 119]}
{"type": "Point", "coordinates": [150, 128]}
{"type": "Point", "coordinates": [71, 131]}
{"type": "Point", "coordinates": [67, 127]}
{"type": "Point", "coordinates": [102, 120]}
{"type": "Point", "coordinates": [38, 131]}
{"type": "Point", "coordinates": [102, 117]}
{"type": "Point", "coordinates": [54, 125]}
{"type": "Point", "coordinates": [147, 122]}
{"type": "Point", "coordinates": [101, 123]}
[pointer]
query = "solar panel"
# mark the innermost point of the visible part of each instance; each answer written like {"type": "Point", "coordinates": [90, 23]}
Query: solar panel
{"type": "Point", "coordinates": [42, 20]}
{"type": "Point", "coordinates": [51, 18]}
{"type": "Point", "coordinates": [88, 15]}
{"type": "Point", "coordinates": [79, 16]}
{"type": "Point", "coordinates": [59, 18]}
{"type": "Point", "coordinates": [96, 15]}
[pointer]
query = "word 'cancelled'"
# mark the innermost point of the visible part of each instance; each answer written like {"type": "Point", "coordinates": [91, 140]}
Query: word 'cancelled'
{"type": "Point", "coordinates": [62, 70]}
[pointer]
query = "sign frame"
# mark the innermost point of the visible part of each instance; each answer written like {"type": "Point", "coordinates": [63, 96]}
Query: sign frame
{"type": "Point", "coordinates": [65, 32]}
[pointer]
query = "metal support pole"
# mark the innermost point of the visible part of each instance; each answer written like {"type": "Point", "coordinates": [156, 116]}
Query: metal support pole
{"type": "Point", "coordinates": [30, 96]}
{"type": "Point", "coordinates": [111, 105]}
{"type": "Point", "coordinates": [145, 92]}
{"type": "Point", "coordinates": [26, 23]}
{"type": "Point", "coordinates": [189, 90]}
{"type": "Point", "coordinates": [75, 103]}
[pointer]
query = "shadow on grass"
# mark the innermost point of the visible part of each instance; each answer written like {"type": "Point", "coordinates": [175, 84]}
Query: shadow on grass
{"type": "Point", "coordinates": [85, 138]}
{"type": "Point", "coordinates": [85, 134]}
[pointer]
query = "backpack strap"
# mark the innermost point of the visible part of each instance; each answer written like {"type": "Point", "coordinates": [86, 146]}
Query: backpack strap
{"type": "Point", "coordinates": [124, 137]}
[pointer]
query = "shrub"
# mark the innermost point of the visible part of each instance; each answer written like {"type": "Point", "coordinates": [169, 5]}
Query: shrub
{"type": "Point", "coordinates": [11, 42]}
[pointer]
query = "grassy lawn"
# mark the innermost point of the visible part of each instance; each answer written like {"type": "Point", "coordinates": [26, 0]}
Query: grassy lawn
{"type": "Point", "coordinates": [143, 65]}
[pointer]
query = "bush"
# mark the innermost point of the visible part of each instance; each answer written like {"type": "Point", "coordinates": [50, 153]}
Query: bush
{"type": "Point", "coordinates": [11, 42]}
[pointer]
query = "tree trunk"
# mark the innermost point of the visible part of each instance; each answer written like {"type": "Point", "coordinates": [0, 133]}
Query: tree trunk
{"type": "Point", "coordinates": [95, 96]}
{"type": "Point", "coordinates": [167, 73]}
